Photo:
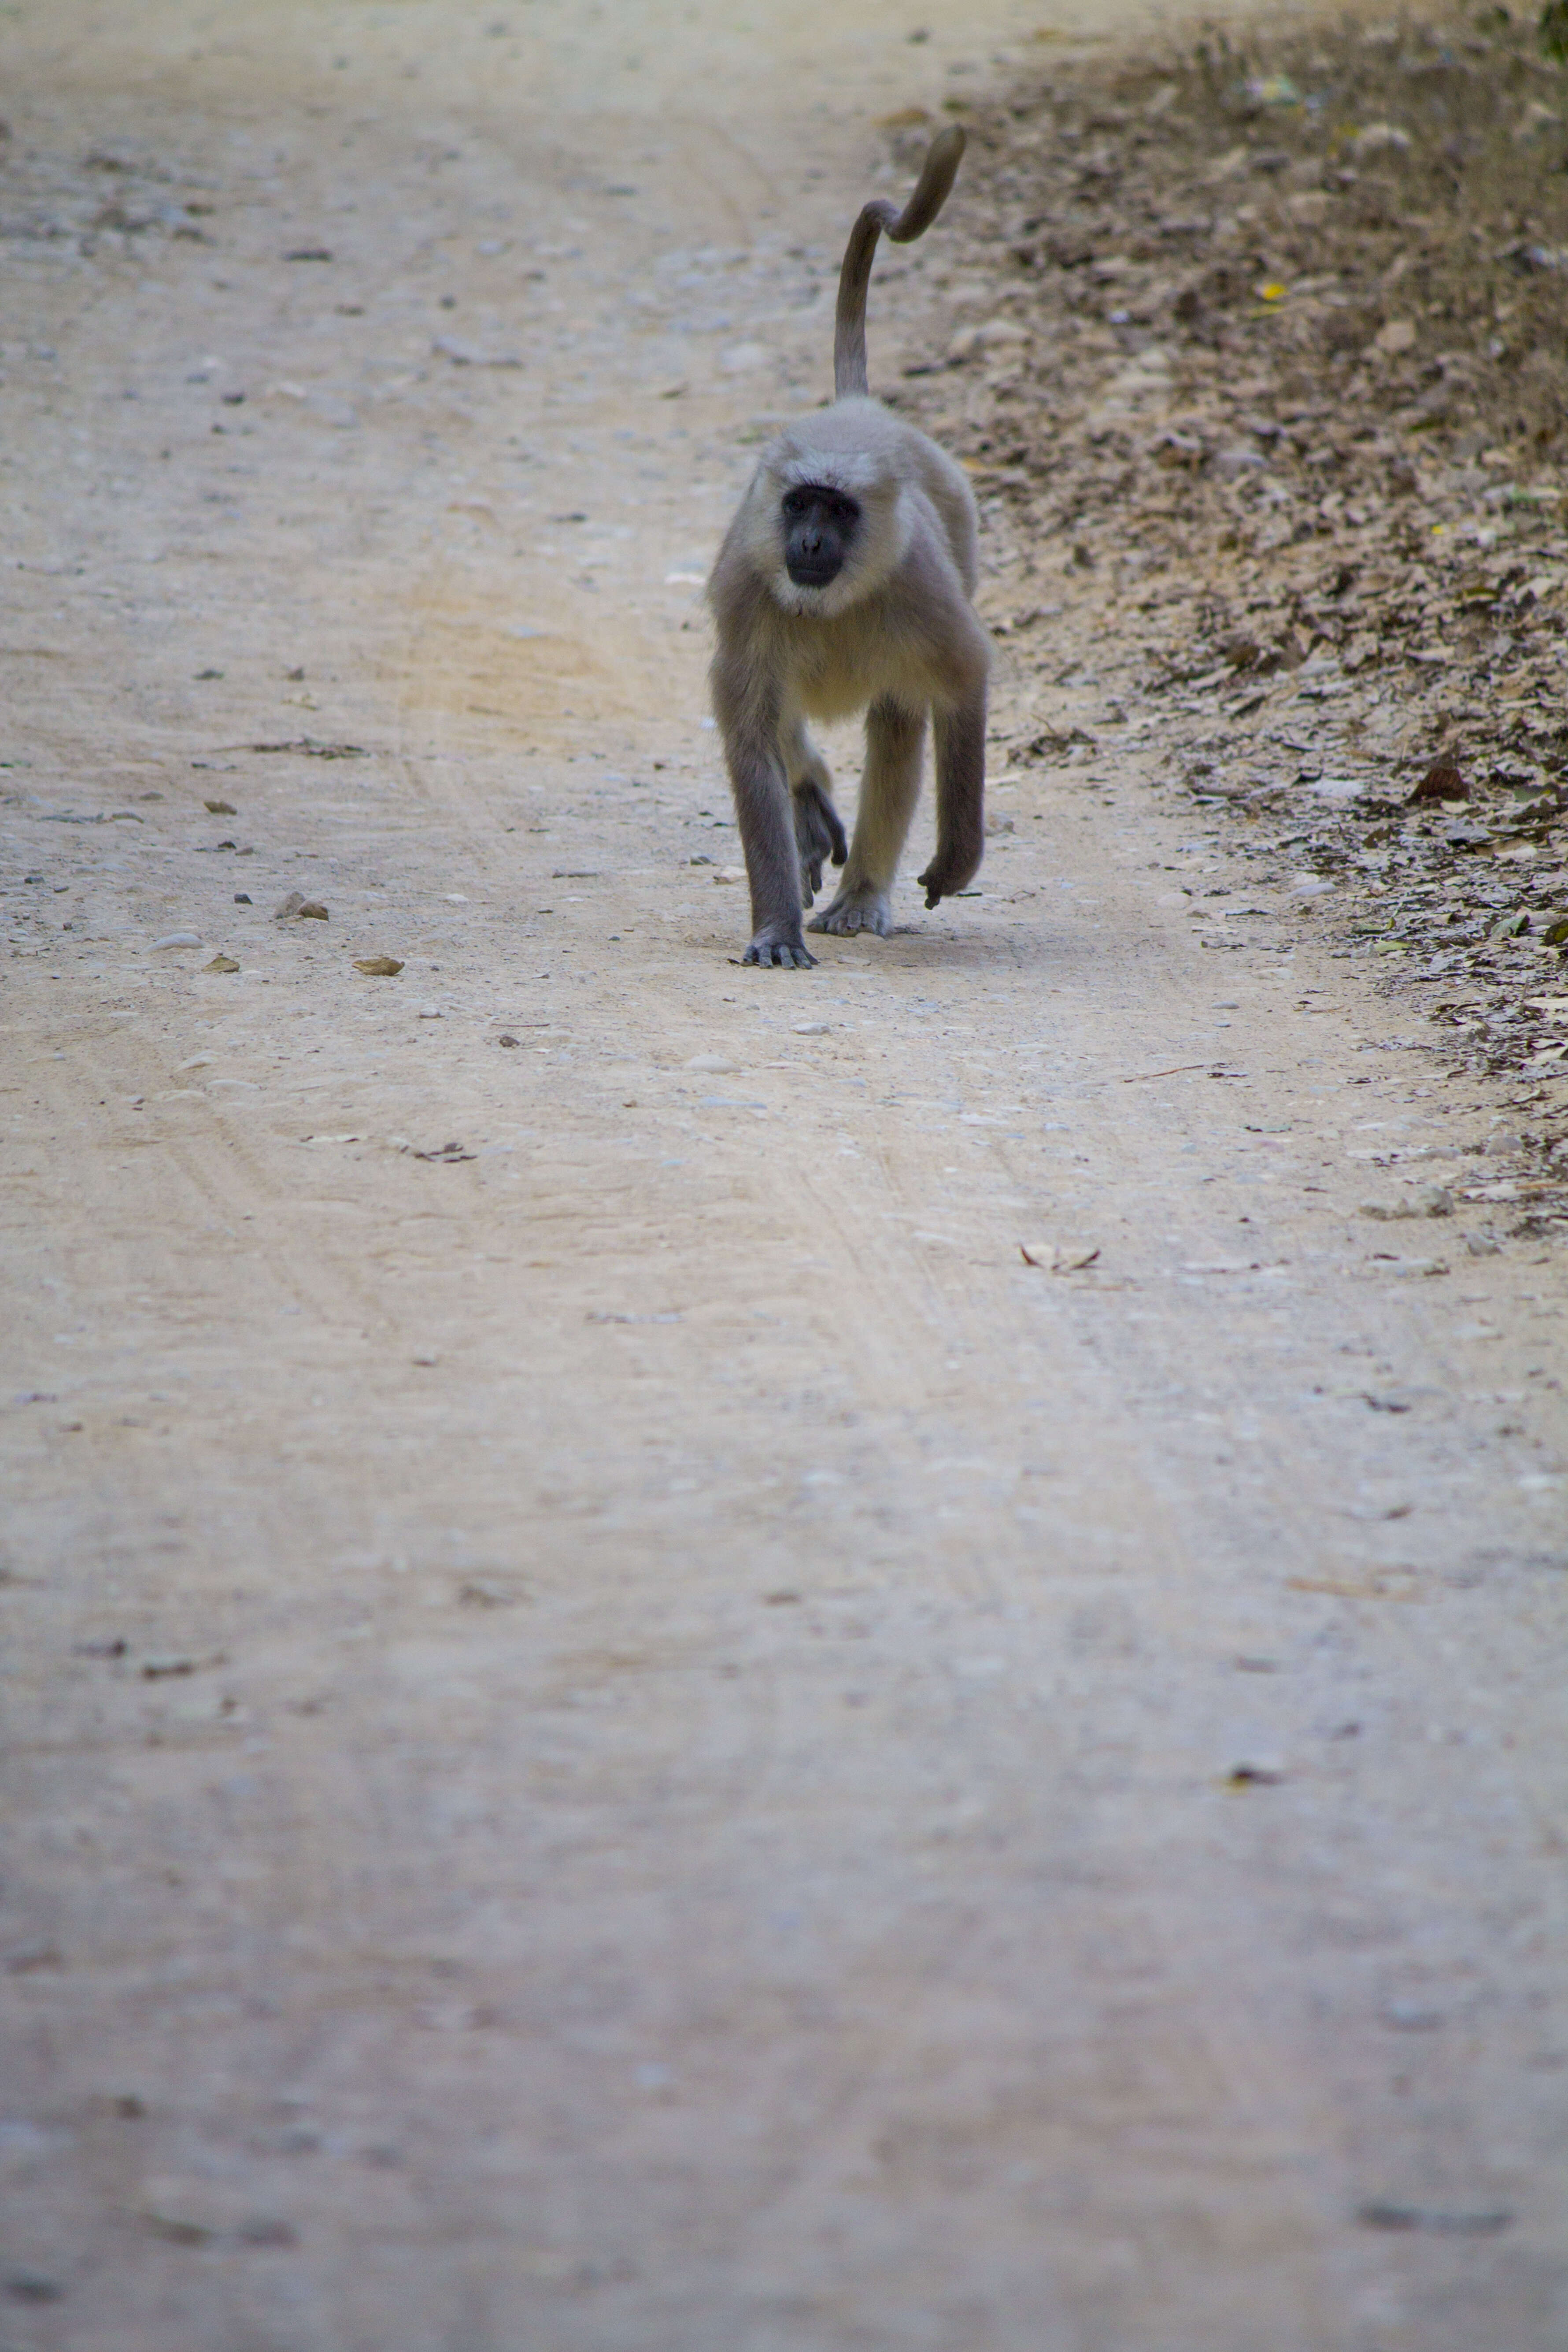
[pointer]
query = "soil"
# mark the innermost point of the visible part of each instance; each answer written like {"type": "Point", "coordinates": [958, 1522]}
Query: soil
{"type": "Point", "coordinates": [700, 1658]}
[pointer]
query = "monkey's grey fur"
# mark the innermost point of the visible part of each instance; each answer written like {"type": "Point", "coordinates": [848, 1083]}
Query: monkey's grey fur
{"type": "Point", "coordinates": [887, 523]}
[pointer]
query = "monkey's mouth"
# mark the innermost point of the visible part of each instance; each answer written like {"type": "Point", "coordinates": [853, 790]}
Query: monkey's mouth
{"type": "Point", "coordinates": [807, 574]}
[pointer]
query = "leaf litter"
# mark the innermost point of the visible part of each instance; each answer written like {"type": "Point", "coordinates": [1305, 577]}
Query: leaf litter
{"type": "Point", "coordinates": [1269, 393]}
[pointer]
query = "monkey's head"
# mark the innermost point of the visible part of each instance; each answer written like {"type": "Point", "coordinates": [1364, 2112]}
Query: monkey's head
{"type": "Point", "coordinates": [819, 525]}
{"type": "Point", "coordinates": [825, 519]}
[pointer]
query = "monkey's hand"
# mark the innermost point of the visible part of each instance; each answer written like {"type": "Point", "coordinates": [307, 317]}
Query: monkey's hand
{"type": "Point", "coordinates": [818, 834]}
{"type": "Point", "coordinates": [773, 944]}
{"type": "Point", "coordinates": [941, 879]}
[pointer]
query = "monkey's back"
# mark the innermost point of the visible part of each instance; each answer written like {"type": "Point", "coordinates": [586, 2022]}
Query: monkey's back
{"type": "Point", "coordinates": [946, 486]}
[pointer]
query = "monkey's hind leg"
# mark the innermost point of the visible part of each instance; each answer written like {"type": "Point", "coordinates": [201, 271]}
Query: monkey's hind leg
{"type": "Point", "coordinates": [817, 828]}
{"type": "Point", "coordinates": [890, 787]}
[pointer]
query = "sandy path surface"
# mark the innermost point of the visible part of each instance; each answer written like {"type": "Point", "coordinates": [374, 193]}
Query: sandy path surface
{"type": "Point", "coordinates": [626, 1733]}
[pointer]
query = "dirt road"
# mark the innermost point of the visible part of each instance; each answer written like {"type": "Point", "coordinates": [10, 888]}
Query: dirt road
{"type": "Point", "coordinates": [627, 1732]}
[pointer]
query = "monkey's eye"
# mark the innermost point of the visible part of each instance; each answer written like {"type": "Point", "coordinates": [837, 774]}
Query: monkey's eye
{"type": "Point", "coordinates": [798, 502]}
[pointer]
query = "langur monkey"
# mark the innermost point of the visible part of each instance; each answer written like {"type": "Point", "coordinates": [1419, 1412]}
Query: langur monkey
{"type": "Point", "coordinates": [843, 584]}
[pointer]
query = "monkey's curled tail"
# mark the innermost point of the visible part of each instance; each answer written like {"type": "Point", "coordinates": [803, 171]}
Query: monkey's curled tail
{"type": "Point", "coordinates": [937, 176]}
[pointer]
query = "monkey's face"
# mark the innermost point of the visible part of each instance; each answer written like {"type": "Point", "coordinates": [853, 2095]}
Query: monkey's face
{"type": "Point", "coordinates": [819, 529]}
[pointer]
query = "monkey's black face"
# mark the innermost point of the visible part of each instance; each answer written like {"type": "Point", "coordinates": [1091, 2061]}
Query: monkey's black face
{"type": "Point", "coordinates": [819, 528]}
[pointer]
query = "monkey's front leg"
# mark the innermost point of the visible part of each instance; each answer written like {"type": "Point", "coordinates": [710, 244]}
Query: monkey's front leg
{"type": "Point", "coordinates": [959, 799]}
{"type": "Point", "coordinates": [763, 811]}
{"type": "Point", "coordinates": [890, 787]}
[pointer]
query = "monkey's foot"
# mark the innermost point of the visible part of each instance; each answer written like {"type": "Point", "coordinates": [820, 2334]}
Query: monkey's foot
{"type": "Point", "coordinates": [862, 908]}
{"type": "Point", "coordinates": [789, 954]}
